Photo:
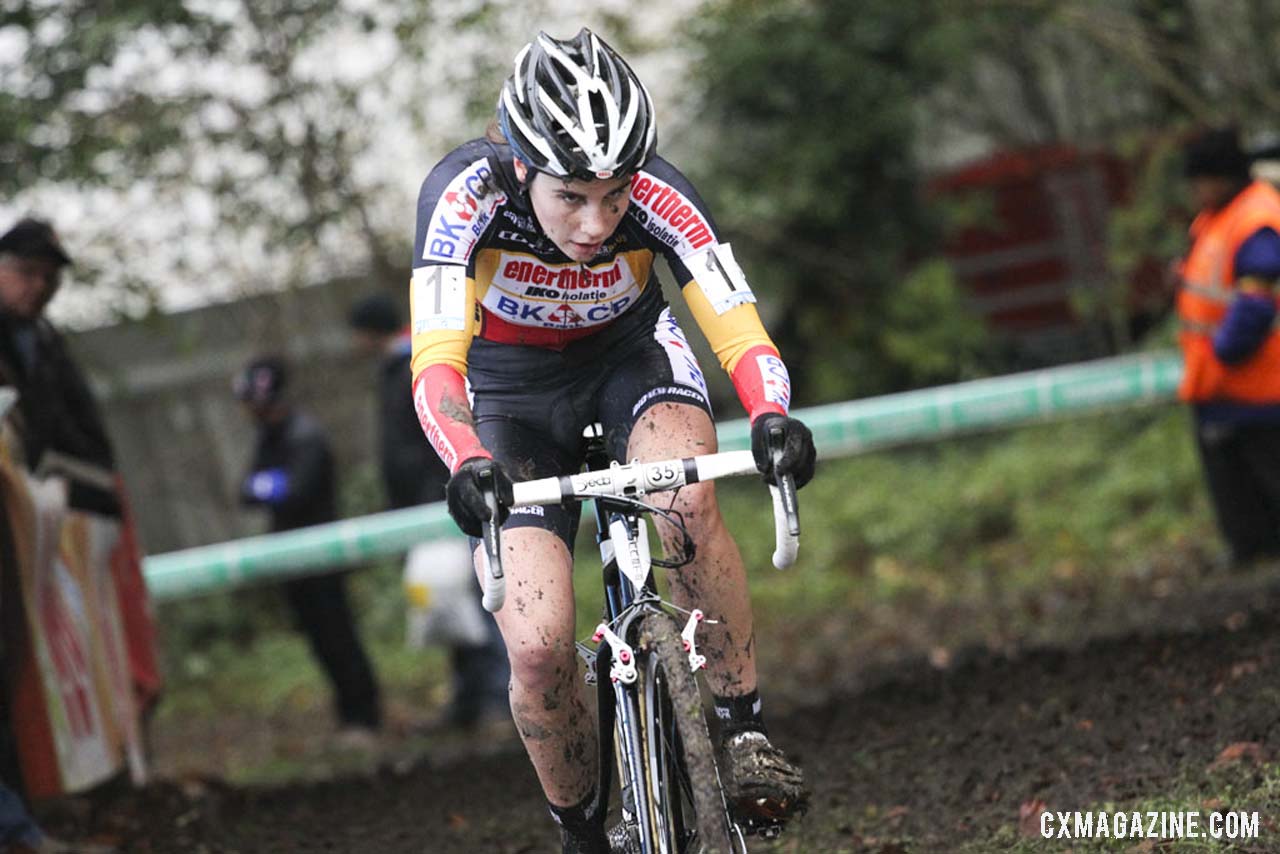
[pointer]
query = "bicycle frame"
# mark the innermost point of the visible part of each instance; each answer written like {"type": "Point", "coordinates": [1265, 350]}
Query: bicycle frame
{"type": "Point", "coordinates": [619, 703]}
{"type": "Point", "coordinates": [630, 593]}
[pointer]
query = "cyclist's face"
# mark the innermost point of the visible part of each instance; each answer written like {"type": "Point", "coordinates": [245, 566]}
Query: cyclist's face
{"type": "Point", "coordinates": [27, 284]}
{"type": "Point", "coordinates": [578, 216]}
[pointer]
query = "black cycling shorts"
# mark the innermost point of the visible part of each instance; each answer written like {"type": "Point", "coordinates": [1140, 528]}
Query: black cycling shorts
{"type": "Point", "coordinates": [532, 404]}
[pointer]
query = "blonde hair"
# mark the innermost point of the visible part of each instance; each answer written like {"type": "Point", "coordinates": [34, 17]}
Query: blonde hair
{"type": "Point", "coordinates": [493, 132]}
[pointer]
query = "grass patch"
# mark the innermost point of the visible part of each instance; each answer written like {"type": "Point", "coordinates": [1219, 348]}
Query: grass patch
{"type": "Point", "coordinates": [1074, 509]}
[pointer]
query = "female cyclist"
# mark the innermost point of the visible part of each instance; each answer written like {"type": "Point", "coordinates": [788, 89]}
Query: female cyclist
{"type": "Point", "coordinates": [537, 311]}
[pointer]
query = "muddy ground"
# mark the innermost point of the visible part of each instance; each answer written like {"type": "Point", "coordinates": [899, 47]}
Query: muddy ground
{"type": "Point", "coordinates": [909, 748]}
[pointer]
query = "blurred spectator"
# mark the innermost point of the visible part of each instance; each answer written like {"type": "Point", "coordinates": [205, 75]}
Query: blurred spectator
{"type": "Point", "coordinates": [56, 410]}
{"type": "Point", "coordinates": [413, 474]}
{"type": "Point", "coordinates": [55, 414]}
{"type": "Point", "coordinates": [58, 416]}
{"type": "Point", "coordinates": [293, 477]}
{"type": "Point", "coordinates": [1231, 347]}
{"type": "Point", "coordinates": [59, 427]}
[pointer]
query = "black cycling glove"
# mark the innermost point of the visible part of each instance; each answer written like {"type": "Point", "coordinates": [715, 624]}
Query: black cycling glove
{"type": "Point", "coordinates": [466, 501]}
{"type": "Point", "coordinates": [798, 454]}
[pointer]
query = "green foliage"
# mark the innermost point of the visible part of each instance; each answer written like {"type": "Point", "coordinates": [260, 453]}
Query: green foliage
{"type": "Point", "coordinates": [819, 113]}
{"type": "Point", "coordinates": [1144, 238]}
{"type": "Point", "coordinates": [1156, 220]}
{"type": "Point", "coordinates": [986, 520]}
{"type": "Point", "coordinates": [57, 117]}
{"type": "Point", "coordinates": [819, 100]}
{"type": "Point", "coordinates": [928, 335]}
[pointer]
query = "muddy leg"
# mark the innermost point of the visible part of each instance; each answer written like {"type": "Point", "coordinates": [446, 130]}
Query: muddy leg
{"type": "Point", "coordinates": [537, 623]}
{"type": "Point", "coordinates": [715, 581]}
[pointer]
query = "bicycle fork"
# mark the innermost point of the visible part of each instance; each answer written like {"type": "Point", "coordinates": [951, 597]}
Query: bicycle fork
{"type": "Point", "coordinates": [619, 731]}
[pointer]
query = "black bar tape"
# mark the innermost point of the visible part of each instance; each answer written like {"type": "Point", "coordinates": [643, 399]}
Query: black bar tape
{"type": "Point", "coordinates": [690, 470]}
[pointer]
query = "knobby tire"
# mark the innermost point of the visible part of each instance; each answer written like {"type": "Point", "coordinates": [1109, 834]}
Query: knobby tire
{"type": "Point", "coordinates": [689, 755]}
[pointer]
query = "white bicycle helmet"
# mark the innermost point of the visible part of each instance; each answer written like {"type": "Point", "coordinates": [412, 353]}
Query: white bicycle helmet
{"type": "Point", "coordinates": [575, 109]}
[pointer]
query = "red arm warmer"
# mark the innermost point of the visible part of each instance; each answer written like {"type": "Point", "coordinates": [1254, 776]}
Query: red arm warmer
{"type": "Point", "coordinates": [762, 382]}
{"type": "Point", "coordinates": [440, 397]}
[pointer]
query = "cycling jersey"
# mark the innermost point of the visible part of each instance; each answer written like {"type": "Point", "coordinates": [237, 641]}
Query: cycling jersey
{"type": "Point", "coordinates": [485, 269]}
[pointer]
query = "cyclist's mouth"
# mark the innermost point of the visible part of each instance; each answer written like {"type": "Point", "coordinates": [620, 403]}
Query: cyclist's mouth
{"type": "Point", "coordinates": [585, 251]}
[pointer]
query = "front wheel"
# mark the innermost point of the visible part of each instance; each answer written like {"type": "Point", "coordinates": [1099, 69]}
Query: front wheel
{"type": "Point", "coordinates": [686, 803]}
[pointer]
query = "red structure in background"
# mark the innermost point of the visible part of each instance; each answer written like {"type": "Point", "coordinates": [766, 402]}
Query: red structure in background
{"type": "Point", "coordinates": [1041, 254]}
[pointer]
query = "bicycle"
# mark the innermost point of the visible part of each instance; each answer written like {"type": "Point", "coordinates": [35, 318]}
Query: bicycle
{"type": "Point", "coordinates": [672, 798]}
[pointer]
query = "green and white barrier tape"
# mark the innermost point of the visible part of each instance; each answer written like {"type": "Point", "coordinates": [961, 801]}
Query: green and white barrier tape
{"type": "Point", "coordinates": [839, 429]}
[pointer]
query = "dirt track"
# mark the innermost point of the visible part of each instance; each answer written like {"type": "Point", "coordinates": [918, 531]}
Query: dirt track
{"type": "Point", "coordinates": [907, 758]}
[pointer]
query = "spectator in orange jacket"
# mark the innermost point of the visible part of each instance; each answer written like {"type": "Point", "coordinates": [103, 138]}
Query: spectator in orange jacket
{"type": "Point", "coordinates": [1231, 344]}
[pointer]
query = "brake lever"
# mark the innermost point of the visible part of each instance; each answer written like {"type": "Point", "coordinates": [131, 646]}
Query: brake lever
{"type": "Point", "coordinates": [495, 583]}
{"type": "Point", "coordinates": [786, 483]}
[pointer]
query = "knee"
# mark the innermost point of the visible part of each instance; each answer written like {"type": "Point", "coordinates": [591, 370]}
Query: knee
{"type": "Point", "coordinates": [700, 510]}
{"type": "Point", "coordinates": [543, 668]}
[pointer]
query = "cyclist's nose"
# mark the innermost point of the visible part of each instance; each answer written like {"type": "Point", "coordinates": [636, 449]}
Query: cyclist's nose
{"type": "Point", "coordinates": [594, 223]}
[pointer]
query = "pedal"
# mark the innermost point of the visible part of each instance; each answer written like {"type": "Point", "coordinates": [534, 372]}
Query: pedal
{"type": "Point", "coordinates": [755, 818]}
{"type": "Point", "coordinates": [772, 831]}
{"type": "Point", "coordinates": [759, 826]}
{"type": "Point", "coordinates": [588, 656]}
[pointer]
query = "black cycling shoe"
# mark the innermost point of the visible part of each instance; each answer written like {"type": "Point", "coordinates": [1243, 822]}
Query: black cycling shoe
{"type": "Point", "coordinates": [764, 788]}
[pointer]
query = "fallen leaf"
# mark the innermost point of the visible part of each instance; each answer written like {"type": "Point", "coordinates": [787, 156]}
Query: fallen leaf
{"type": "Point", "coordinates": [1243, 668]}
{"type": "Point", "coordinates": [457, 821]}
{"type": "Point", "coordinates": [1084, 725]}
{"type": "Point", "coordinates": [1029, 817]}
{"type": "Point", "coordinates": [1239, 751]}
{"type": "Point", "coordinates": [1235, 621]}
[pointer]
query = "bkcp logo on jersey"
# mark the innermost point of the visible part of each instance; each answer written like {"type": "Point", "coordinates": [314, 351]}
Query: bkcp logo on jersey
{"type": "Point", "coordinates": [463, 205]}
{"type": "Point", "coordinates": [463, 212]}
{"type": "Point", "coordinates": [564, 315]}
{"type": "Point", "coordinates": [550, 315]}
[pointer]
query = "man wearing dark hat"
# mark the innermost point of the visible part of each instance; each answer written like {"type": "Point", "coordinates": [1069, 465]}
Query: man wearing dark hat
{"type": "Point", "coordinates": [293, 477]}
{"type": "Point", "coordinates": [1227, 304]}
{"type": "Point", "coordinates": [413, 474]}
{"type": "Point", "coordinates": [57, 411]}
